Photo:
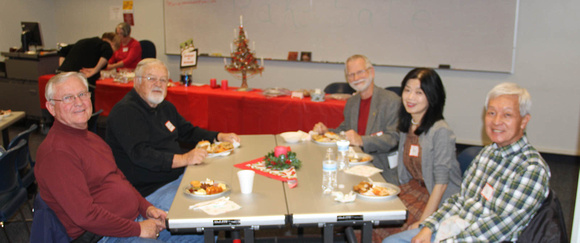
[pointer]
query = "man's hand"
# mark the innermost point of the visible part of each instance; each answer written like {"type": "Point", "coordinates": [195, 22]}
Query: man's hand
{"type": "Point", "coordinates": [193, 157]}
{"type": "Point", "coordinates": [88, 72]}
{"type": "Point", "coordinates": [424, 236]}
{"type": "Point", "coordinates": [158, 216]}
{"type": "Point", "coordinates": [228, 137]}
{"type": "Point", "coordinates": [353, 137]}
{"type": "Point", "coordinates": [320, 128]}
{"type": "Point", "coordinates": [149, 229]}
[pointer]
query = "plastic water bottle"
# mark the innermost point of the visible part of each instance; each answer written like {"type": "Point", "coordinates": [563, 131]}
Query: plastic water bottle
{"type": "Point", "coordinates": [342, 158]}
{"type": "Point", "coordinates": [328, 172]}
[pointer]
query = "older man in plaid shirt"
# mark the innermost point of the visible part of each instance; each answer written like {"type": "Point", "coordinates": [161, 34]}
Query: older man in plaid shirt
{"type": "Point", "coordinates": [503, 187]}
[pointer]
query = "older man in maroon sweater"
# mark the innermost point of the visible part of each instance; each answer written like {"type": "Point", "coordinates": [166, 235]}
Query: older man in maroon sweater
{"type": "Point", "coordinates": [77, 175]}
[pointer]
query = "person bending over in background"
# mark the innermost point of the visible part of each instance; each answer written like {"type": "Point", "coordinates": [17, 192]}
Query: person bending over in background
{"type": "Point", "coordinates": [370, 116]}
{"type": "Point", "coordinates": [503, 187]}
{"type": "Point", "coordinates": [88, 56]}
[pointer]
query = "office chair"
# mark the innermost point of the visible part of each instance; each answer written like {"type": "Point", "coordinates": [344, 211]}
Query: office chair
{"type": "Point", "coordinates": [466, 156]}
{"type": "Point", "coordinates": [339, 88]}
{"type": "Point", "coordinates": [46, 227]}
{"type": "Point", "coordinates": [395, 89]}
{"type": "Point", "coordinates": [12, 194]}
{"type": "Point", "coordinates": [92, 123]}
{"type": "Point", "coordinates": [24, 161]}
{"type": "Point", "coordinates": [147, 49]}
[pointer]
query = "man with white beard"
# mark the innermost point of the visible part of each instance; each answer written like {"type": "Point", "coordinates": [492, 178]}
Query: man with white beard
{"type": "Point", "coordinates": [144, 131]}
{"type": "Point", "coordinates": [370, 116]}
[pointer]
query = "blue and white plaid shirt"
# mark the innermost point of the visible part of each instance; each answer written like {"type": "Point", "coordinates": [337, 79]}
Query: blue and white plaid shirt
{"type": "Point", "coordinates": [519, 177]}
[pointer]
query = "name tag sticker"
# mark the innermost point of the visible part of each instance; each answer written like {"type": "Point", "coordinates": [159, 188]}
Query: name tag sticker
{"type": "Point", "coordinates": [125, 49]}
{"type": "Point", "coordinates": [487, 191]}
{"type": "Point", "coordinates": [377, 134]}
{"type": "Point", "coordinates": [170, 126]}
{"type": "Point", "coordinates": [414, 151]}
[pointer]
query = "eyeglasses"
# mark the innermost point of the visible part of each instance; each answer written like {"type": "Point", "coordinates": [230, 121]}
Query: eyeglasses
{"type": "Point", "coordinates": [155, 79]}
{"type": "Point", "coordinates": [359, 73]}
{"type": "Point", "coordinates": [70, 98]}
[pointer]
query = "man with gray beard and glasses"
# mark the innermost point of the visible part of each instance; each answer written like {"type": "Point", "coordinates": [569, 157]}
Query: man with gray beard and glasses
{"type": "Point", "coordinates": [370, 116]}
{"type": "Point", "coordinates": [144, 131]}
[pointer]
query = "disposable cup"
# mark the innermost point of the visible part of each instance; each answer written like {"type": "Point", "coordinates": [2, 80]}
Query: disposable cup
{"type": "Point", "coordinates": [246, 180]}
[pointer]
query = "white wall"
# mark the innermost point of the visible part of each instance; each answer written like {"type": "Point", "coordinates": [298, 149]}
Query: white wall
{"type": "Point", "coordinates": [547, 62]}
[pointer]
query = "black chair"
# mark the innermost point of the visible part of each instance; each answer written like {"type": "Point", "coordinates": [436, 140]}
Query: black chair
{"type": "Point", "coordinates": [24, 161]}
{"type": "Point", "coordinates": [12, 194]}
{"type": "Point", "coordinates": [395, 89]}
{"type": "Point", "coordinates": [147, 49]}
{"type": "Point", "coordinates": [339, 88]}
{"type": "Point", "coordinates": [547, 225]}
{"type": "Point", "coordinates": [46, 227]}
{"type": "Point", "coordinates": [466, 156]}
{"type": "Point", "coordinates": [92, 123]}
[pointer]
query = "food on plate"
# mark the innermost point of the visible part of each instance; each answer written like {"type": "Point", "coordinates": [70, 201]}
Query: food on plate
{"type": "Point", "coordinates": [358, 159]}
{"type": "Point", "coordinates": [367, 188]}
{"type": "Point", "coordinates": [362, 187]}
{"type": "Point", "coordinates": [216, 147]}
{"type": "Point", "coordinates": [5, 112]}
{"type": "Point", "coordinates": [326, 137]}
{"type": "Point", "coordinates": [207, 187]}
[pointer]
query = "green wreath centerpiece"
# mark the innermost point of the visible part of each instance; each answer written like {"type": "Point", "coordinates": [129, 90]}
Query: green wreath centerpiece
{"type": "Point", "coordinates": [282, 158]}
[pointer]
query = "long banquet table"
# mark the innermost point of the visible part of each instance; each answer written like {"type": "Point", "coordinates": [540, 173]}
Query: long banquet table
{"type": "Point", "coordinates": [233, 111]}
{"type": "Point", "coordinates": [272, 203]}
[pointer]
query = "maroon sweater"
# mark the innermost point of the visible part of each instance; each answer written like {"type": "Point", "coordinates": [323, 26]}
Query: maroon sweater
{"type": "Point", "coordinates": [79, 180]}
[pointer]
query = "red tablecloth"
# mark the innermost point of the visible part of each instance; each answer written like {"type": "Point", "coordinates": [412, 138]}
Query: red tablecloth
{"type": "Point", "coordinates": [233, 111]}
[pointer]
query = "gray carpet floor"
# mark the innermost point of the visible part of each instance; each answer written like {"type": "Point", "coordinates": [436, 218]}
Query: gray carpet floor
{"type": "Point", "coordinates": [564, 182]}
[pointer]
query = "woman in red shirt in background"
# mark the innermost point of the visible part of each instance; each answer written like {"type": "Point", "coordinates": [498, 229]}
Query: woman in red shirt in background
{"type": "Point", "coordinates": [129, 53]}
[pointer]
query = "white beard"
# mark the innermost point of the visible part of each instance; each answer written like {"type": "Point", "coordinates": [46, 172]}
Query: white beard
{"type": "Point", "coordinates": [361, 84]}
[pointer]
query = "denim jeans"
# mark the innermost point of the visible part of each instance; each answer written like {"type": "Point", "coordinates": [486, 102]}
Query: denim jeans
{"type": "Point", "coordinates": [162, 199]}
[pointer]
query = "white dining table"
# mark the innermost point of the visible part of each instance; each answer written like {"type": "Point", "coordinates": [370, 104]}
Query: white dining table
{"type": "Point", "coordinates": [6, 122]}
{"type": "Point", "coordinates": [272, 203]}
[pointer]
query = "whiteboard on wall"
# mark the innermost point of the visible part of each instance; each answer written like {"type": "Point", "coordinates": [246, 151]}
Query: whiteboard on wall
{"type": "Point", "coordinates": [474, 35]}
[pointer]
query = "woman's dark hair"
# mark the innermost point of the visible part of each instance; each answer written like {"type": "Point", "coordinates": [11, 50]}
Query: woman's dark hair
{"type": "Point", "coordinates": [434, 91]}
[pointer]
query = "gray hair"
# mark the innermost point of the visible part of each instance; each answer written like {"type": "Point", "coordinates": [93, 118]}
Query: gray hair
{"type": "Point", "coordinates": [125, 28]}
{"type": "Point", "coordinates": [142, 66]}
{"type": "Point", "coordinates": [59, 78]}
{"type": "Point", "coordinates": [368, 63]}
{"type": "Point", "coordinates": [524, 98]}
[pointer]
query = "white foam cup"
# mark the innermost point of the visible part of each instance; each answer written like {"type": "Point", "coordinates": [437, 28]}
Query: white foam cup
{"type": "Point", "coordinates": [246, 180]}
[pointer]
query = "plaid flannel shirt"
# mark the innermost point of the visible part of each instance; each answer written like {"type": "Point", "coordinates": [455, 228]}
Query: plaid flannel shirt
{"type": "Point", "coordinates": [519, 177]}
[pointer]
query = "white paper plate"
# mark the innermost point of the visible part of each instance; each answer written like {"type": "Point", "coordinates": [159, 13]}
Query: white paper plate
{"type": "Point", "coordinates": [362, 155]}
{"type": "Point", "coordinates": [199, 196]}
{"type": "Point", "coordinates": [370, 196]}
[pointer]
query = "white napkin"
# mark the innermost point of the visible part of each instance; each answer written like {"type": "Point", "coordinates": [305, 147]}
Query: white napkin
{"type": "Point", "coordinates": [344, 198]}
{"type": "Point", "coordinates": [363, 170]}
{"type": "Point", "coordinates": [450, 227]}
{"type": "Point", "coordinates": [216, 206]}
{"type": "Point", "coordinates": [305, 136]}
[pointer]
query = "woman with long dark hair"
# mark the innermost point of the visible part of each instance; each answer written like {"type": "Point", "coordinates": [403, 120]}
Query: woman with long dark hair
{"type": "Point", "coordinates": [428, 169]}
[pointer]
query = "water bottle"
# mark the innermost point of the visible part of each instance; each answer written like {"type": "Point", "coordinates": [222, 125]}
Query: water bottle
{"type": "Point", "coordinates": [342, 158]}
{"type": "Point", "coordinates": [328, 172]}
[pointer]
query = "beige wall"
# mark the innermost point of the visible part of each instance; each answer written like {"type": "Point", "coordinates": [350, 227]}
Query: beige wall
{"type": "Point", "coordinates": [547, 62]}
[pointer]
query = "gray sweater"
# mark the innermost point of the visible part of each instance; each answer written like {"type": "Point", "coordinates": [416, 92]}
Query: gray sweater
{"type": "Point", "coordinates": [438, 160]}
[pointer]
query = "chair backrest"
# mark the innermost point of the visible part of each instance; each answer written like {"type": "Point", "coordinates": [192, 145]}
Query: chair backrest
{"type": "Point", "coordinates": [395, 89]}
{"type": "Point", "coordinates": [339, 88]}
{"type": "Point", "coordinates": [92, 123]}
{"type": "Point", "coordinates": [26, 160]}
{"type": "Point", "coordinates": [46, 227]}
{"type": "Point", "coordinates": [12, 194]}
{"type": "Point", "coordinates": [9, 180]}
{"type": "Point", "coordinates": [147, 49]}
{"type": "Point", "coordinates": [466, 157]}
{"type": "Point", "coordinates": [547, 225]}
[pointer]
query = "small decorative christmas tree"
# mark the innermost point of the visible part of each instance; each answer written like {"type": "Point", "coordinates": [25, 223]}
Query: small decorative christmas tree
{"type": "Point", "coordinates": [243, 61]}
